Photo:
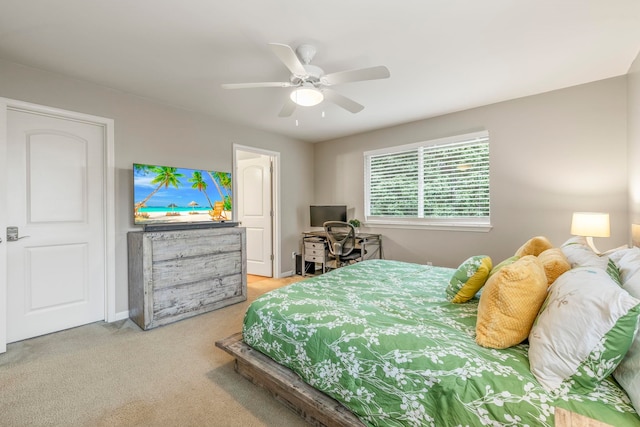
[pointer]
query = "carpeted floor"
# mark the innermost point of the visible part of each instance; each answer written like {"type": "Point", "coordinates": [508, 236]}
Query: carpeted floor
{"type": "Point", "coordinates": [118, 375]}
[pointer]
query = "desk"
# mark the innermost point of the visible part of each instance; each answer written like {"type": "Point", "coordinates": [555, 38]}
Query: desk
{"type": "Point", "coordinates": [315, 249]}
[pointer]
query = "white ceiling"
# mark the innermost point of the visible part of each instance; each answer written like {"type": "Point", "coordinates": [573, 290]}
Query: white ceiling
{"type": "Point", "coordinates": [443, 55]}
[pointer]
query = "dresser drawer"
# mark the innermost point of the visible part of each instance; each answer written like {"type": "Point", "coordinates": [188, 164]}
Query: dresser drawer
{"type": "Point", "coordinates": [314, 258]}
{"type": "Point", "coordinates": [311, 245]}
{"type": "Point", "coordinates": [314, 252]}
{"type": "Point", "coordinates": [201, 296]}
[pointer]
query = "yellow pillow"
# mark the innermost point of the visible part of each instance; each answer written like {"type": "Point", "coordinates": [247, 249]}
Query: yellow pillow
{"type": "Point", "coordinates": [555, 263]}
{"type": "Point", "coordinates": [510, 302]}
{"type": "Point", "coordinates": [502, 264]}
{"type": "Point", "coordinates": [468, 279]}
{"type": "Point", "coordinates": [534, 246]}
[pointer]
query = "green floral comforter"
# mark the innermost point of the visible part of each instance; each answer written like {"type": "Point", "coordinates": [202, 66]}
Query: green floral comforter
{"type": "Point", "coordinates": [380, 337]}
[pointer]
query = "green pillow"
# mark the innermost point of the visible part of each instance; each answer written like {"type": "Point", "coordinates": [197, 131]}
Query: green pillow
{"type": "Point", "coordinates": [468, 279]}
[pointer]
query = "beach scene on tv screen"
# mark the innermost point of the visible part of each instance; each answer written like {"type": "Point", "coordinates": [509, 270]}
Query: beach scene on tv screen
{"type": "Point", "coordinates": [164, 194]}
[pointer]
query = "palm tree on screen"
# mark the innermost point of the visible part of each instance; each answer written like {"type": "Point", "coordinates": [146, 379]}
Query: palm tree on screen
{"type": "Point", "coordinates": [222, 181]}
{"type": "Point", "coordinates": [165, 176]}
{"type": "Point", "coordinates": [200, 184]}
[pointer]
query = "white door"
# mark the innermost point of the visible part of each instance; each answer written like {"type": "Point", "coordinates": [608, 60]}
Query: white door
{"type": "Point", "coordinates": [56, 270]}
{"type": "Point", "coordinates": [255, 212]}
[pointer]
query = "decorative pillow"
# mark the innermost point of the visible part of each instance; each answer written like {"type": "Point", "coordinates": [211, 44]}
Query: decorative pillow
{"type": "Point", "coordinates": [468, 279]}
{"type": "Point", "coordinates": [613, 271]}
{"type": "Point", "coordinates": [617, 253]}
{"type": "Point", "coordinates": [510, 302]}
{"type": "Point", "coordinates": [580, 254]}
{"type": "Point", "coordinates": [554, 263]}
{"type": "Point", "coordinates": [583, 331]}
{"type": "Point", "coordinates": [534, 246]}
{"type": "Point", "coordinates": [502, 264]}
{"type": "Point", "coordinates": [632, 285]}
{"type": "Point", "coordinates": [628, 372]}
{"type": "Point", "coordinates": [628, 262]}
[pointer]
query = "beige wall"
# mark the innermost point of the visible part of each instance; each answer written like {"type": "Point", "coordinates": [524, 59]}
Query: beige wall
{"type": "Point", "coordinates": [149, 132]}
{"type": "Point", "coordinates": [633, 127]}
{"type": "Point", "coordinates": [551, 154]}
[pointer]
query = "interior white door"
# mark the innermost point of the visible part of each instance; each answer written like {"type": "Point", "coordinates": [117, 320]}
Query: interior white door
{"type": "Point", "coordinates": [255, 212]}
{"type": "Point", "coordinates": [56, 269]}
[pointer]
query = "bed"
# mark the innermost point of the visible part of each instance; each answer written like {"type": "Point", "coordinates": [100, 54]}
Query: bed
{"type": "Point", "coordinates": [379, 343]}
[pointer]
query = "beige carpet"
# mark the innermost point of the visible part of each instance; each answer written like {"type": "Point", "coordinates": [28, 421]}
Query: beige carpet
{"type": "Point", "coordinates": [118, 375]}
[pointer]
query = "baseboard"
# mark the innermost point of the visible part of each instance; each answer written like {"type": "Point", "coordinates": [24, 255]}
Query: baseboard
{"type": "Point", "coordinates": [286, 273]}
{"type": "Point", "coordinates": [121, 316]}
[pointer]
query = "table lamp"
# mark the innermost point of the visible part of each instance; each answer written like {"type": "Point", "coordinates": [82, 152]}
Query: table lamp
{"type": "Point", "coordinates": [590, 225]}
{"type": "Point", "coordinates": [635, 234]}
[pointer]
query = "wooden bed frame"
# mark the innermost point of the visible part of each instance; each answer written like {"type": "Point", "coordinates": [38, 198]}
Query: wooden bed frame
{"type": "Point", "coordinates": [286, 386]}
{"type": "Point", "coordinates": [315, 407]}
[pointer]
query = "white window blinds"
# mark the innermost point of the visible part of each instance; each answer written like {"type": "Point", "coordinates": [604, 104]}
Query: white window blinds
{"type": "Point", "coordinates": [446, 180]}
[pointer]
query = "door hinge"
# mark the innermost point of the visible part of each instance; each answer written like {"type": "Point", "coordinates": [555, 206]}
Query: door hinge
{"type": "Point", "coordinates": [272, 257]}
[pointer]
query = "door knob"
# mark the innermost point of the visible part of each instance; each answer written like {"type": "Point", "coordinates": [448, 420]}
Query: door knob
{"type": "Point", "coordinates": [12, 234]}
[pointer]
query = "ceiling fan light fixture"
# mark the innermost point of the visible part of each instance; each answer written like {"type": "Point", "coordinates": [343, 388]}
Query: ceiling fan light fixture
{"type": "Point", "coordinates": [309, 84]}
{"type": "Point", "coordinates": [307, 96]}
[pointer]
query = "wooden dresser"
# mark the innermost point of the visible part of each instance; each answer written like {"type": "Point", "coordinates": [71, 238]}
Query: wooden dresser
{"type": "Point", "coordinates": [181, 273]}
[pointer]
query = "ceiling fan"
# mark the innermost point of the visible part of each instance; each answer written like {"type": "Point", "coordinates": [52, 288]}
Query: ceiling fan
{"type": "Point", "coordinates": [310, 83]}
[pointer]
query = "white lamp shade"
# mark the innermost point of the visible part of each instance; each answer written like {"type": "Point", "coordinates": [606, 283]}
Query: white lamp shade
{"type": "Point", "coordinates": [307, 96]}
{"type": "Point", "coordinates": [591, 224]}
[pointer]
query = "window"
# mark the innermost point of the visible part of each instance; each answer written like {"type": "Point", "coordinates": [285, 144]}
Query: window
{"type": "Point", "coordinates": [439, 183]}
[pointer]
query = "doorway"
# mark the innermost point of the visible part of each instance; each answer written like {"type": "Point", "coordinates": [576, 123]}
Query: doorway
{"type": "Point", "coordinates": [57, 194]}
{"type": "Point", "coordinates": [255, 199]}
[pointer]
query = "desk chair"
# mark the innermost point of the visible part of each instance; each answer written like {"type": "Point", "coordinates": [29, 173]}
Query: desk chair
{"type": "Point", "coordinates": [341, 238]}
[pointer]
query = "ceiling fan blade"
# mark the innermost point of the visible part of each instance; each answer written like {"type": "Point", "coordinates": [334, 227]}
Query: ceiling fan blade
{"type": "Point", "coordinates": [372, 73]}
{"type": "Point", "coordinates": [287, 109]}
{"type": "Point", "coordinates": [255, 85]}
{"type": "Point", "coordinates": [342, 101]}
{"type": "Point", "coordinates": [288, 58]}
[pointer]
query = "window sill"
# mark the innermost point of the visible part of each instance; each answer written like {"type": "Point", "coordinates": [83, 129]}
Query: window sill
{"type": "Point", "coordinates": [468, 227]}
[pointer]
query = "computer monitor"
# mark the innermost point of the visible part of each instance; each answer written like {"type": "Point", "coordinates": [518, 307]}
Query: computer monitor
{"type": "Point", "coordinates": [321, 214]}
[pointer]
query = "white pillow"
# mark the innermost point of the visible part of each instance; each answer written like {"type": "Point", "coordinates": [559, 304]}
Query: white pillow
{"type": "Point", "coordinates": [580, 254]}
{"type": "Point", "coordinates": [616, 253]}
{"type": "Point", "coordinates": [583, 330]}
{"type": "Point", "coordinates": [632, 285]}
{"type": "Point", "coordinates": [628, 372]}
{"type": "Point", "coordinates": [628, 262]}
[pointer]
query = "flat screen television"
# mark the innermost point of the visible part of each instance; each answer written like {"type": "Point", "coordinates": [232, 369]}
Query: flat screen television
{"type": "Point", "coordinates": [172, 195]}
{"type": "Point", "coordinates": [321, 214]}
